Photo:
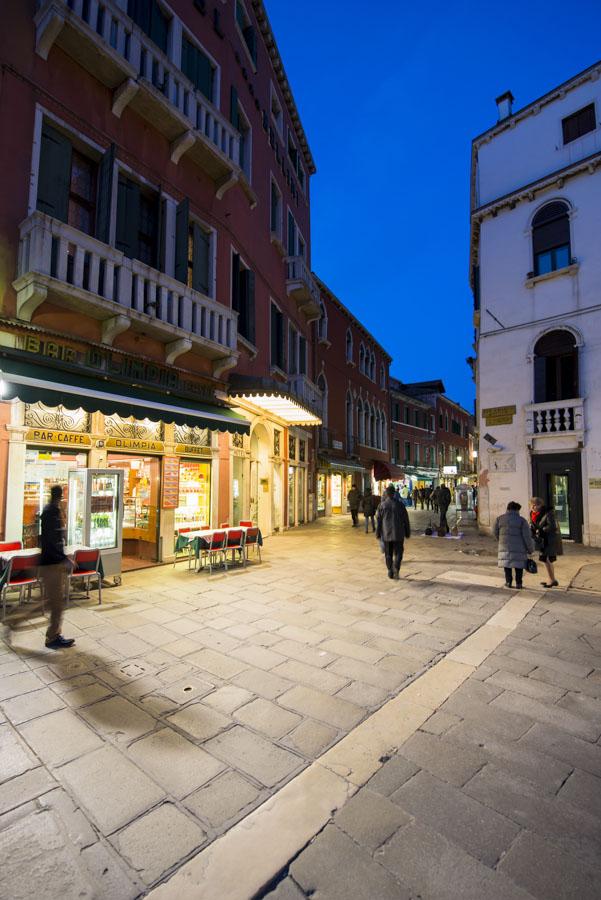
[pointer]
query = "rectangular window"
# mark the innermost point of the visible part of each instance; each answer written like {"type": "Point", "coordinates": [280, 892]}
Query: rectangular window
{"type": "Point", "coordinates": [291, 235]}
{"type": "Point", "coordinates": [446, 421]}
{"type": "Point", "coordinates": [416, 454]}
{"type": "Point", "coordinates": [578, 124]}
{"type": "Point", "coordinates": [82, 193]}
{"type": "Point", "coordinates": [416, 417]}
{"type": "Point", "coordinates": [440, 420]}
{"type": "Point", "coordinates": [396, 450]}
{"type": "Point", "coordinates": [397, 412]}
{"type": "Point", "coordinates": [302, 355]}
{"type": "Point", "coordinates": [149, 16]}
{"type": "Point", "coordinates": [243, 297]}
{"type": "Point", "coordinates": [277, 338]}
{"type": "Point", "coordinates": [247, 30]}
{"type": "Point", "coordinates": [407, 453]}
{"type": "Point", "coordinates": [407, 416]}
{"type": "Point", "coordinates": [276, 210]}
{"type": "Point", "coordinates": [276, 111]}
{"type": "Point", "coordinates": [197, 66]}
{"type": "Point", "coordinates": [199, 258]}
{"type": "Point", "coordinates": [138, 222]}
{"type": "Point", "coordinates": [432, 423]}
{"type": "Point", "coordinates": [245, 143]}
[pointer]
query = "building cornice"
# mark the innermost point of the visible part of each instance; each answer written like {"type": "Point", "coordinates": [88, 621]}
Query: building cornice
{"type": "Point", "coordinates": [334, 299]}
{"type": "Point", "coordinates": [282, 78]}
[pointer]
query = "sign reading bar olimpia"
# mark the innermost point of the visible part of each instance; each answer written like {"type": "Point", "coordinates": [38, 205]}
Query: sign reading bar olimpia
{"type": "Point", "coordinates": [112, 363]}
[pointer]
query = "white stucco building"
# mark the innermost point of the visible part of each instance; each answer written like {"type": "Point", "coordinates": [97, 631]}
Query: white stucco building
{"type": "Point", "coordinates": [536, 280]}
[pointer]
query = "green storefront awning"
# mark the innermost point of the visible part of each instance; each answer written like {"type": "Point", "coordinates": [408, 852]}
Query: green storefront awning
{"type": "Point", "coordinates": [32, 383]}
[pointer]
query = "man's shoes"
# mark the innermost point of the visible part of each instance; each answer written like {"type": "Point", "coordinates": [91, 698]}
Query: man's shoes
{"type": "Point", "coordinates": [390, 573]}
{"type": "Point", "coordinates": [60, 643]}
{"type": "Point", "coordinates": [508, 584]}
{"type": "Point", "coordinates": [396, 574]}
{"type": "Point", "coordinates": [519, 587]}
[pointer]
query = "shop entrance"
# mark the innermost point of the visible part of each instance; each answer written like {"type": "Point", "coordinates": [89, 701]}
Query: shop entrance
{"type": "Point", "coordinates": [336, 493]}
{"type": "Point", "coordinates": [238, 490]}
{"type": "Point", "coordinates": [43, 469]}
{"type": "Point", "coordinates": [260, 488]}
{"type": "Point", "coordinates": [141, 495]}
{"type": "Point", "coordinates": [321, 495]}
{"type": "Point", "coordinates": [557, 478]}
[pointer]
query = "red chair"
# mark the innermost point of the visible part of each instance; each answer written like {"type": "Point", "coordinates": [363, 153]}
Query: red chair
{"type": "Point", "coordinates": [21, 573]}
{"type": "Point", "coordinates": [235, 542]}
{"type": "Point", "coordinates": [224, 524]}
{"type": "Point", "coordinates": [217, 547]}
{"type": "Point", "coordinates": [86, 565]}
{"type": "Point", "coordinates": [11, 545]}
{"type": "Point", "coordinates": [252, 539]}
{"type": "Point", "coordinates": [246, 523]}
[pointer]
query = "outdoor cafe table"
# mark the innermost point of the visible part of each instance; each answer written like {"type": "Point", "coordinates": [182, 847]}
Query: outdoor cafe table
{"type": "Point", "coordinates": [7, 555]}
{"type": "Point", "coordinates": [202, 539]}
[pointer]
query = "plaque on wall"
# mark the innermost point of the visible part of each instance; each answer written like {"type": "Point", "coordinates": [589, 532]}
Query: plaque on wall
{"type": "Point", "coordinates": [170, 484]}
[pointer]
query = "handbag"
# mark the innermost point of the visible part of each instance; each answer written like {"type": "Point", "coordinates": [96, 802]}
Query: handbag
{"type": "Point", "coordinates": [531, 566]}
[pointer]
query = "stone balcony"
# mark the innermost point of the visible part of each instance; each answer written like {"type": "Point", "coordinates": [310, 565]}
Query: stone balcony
{"type": "Point", "coordinates": [307, 393]}
{"type": "Point", "coordinates": [301, 286]}
{"type": "Point", "coordinates": [103, 39]}
{"type": "Point", "coordinates": [78, 272]}
{"type": "Point", "coordinates": [557, 424]}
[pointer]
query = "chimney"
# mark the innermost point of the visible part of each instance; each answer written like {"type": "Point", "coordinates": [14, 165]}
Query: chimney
{"type": "Point", "coordinates": [504, 105]}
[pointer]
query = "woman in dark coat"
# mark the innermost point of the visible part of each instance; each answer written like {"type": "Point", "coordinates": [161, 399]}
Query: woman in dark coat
{"type": "Point", "coordinates": [515, 543]}
{"type": "Point", "coordinates": [547, 537]}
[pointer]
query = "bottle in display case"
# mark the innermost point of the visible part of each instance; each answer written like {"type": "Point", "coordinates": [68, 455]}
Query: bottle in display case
{"type": "Point", "coordinates": [95, 514]}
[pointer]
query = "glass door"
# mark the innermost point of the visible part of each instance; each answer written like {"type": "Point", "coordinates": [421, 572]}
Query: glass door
{"type": "Point", "coordinates": [321, 495]}
{"type": "Point", "coordinates": [558, 491]}
{"type": "Point", "coordinates": [301, 495]}
{"type": "Point", "coordinates": [238, 490]}
{"type": "Point", "coordinates": [291, 495]}
{"type": "Point", "coordinates": [336, 493]}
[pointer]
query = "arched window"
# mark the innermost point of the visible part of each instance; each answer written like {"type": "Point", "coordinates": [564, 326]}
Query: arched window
{"type": "Point", "coordinates": [349, 345]}
{"type": "Point", "coordinates": [366, 424]}
{"type": "Point", "coordinates": [372, 427]}
{"type": "Point", "coordinates": [360, 422]}
{"type": "Point", "coordinates": [349, 422]}
{"type": "Point", "coordinates": [551, 238]}
{"type": "Point", "coordinates": [362, 358]}
{"type": "Point", "coordinates": [555, 367]}
{"type": "Point", "coordinates": [322, 384]}
{"type": "Point", "coordinates": [322, 324]}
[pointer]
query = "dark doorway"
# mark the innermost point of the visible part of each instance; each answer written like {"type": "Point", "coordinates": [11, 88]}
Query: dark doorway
{"type": "Point", "coordinates": [557, 478]}
{"type": "Point", "coordinates": [555, 367]}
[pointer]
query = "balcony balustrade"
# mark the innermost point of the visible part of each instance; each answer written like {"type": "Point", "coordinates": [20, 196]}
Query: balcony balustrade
{"type": "Point", "coordinates": [301, 285]}
{"type": "Point", "coordinates": [103, 39]}
{"type": "Point", "coordinates": [555, 419]}
{"type": "Point", "coordinates": [307, 393]}
{"type": "Point", "coordinates": [79, 272]}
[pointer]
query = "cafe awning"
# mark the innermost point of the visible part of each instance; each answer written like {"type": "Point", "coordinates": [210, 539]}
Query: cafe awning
{"type": "Point", "coordinates": [272, 399]}
{"type": "Point", "coordinates": [381, 470]}
{"type": "Point", "coordinates": [29, 383]}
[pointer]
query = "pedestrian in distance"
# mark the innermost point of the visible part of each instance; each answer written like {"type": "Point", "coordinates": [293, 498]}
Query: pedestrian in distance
{"type": "Point", "coordinates": [434, 499]}
{"type": "Point", "coordinates": [392, 529]}
{"type": "Point", "coordinates": [428, 496]}
{"type": "Point", "coordinates": [415, 497]}
{"type": "Point", "coordinates": [354, 502]}
{"type": "Point", "coordinates": [444, 501]}
{"type": "Point", "coordinates": [515, 544]}
{"type": "Point", "coordinates": [369, 509]}
{"type": "Point", "coordinates": [54, 566]}
{"type": "Point", "coordinates": [547, 537]}
{"type": "Point", "coordinates": [422, 497]}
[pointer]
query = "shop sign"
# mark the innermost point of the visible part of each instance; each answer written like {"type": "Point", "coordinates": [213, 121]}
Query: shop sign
{"type": "Point", "coordinates": [594, 484]}
{"type": "Point", "coordinates": [170, 483]}
{"type": "Point", "coordinates": [499, 415]}
{"type": "Point", "coordinates": [117, 443]}
{"type": "Point", "coordinates": [192, 450]}
{"type": "Point", "coordinates": [449, 470]}
{"type": "Point", "coordinates": [337, 445]}
{"type": "Point", "coordinates": [49, 436]}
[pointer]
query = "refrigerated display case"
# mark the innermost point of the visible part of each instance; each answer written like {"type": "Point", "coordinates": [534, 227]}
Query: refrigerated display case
{"type": "Point", "coordinates": [95, 515]}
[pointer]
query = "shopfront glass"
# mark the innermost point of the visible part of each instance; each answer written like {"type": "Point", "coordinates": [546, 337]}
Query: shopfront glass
{"type": "Point", "coordinates": [238, 490]}
{"type": "Point", "coordinates": [559, 492]}
{"type": "Point", "coordinates": [301, 495]}
{"type": "Point", "coordinates": [43, 469]}
{"type": "Point", "coordinates": [141, 495]}
{"type": "Point", "coordinates": [194, 509]}
{"type": "Point", "coordinates": [336, 493]}
{"type": "Point", "coordinates": [291, 494]}
{"type": "Point", "coordinates": [321, 495]}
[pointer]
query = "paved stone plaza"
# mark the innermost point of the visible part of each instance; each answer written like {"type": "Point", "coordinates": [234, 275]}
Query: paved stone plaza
{"type": "Point", "coordinates": [189, 701]}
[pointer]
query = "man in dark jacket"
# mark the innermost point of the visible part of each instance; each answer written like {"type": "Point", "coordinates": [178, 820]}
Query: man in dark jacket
{"type": "Point", "coordinates": [444, 501]}
{"type": "Point", "coordinates": [53, 567]}
{"type": "Point", "coordinates": [354, 501]}
{"type": "Point", "coordinates": [392, 529]}
{"type": "Point", "coordinates": [369, 509]}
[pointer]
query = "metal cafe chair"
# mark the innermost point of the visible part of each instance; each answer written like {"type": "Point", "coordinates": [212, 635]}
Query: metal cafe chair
{"type": "Point", "coordinates": [235, 543]}
{"type": "Point", "coordinates": [86, 565]}
{"type": "Point", "coordinates": [252, 539]}
{"type": "Point", "coordinates": [21, 573]}
{"type": "Point", "coordinates": [217, 548]}
{"type": "Point", "coordinates": [181, 544]}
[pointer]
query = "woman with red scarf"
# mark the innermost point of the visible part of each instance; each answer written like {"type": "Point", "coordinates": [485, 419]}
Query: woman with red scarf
{"type": "Point", "coordinates": [547, 537]}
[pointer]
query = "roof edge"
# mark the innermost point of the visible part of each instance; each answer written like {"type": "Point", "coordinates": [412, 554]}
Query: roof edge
{"type": "Point", "coordinates": [323, 286]}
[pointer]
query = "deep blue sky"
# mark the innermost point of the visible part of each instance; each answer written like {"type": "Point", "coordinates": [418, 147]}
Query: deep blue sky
{"type": "Point", "coordinates": [391, 95]}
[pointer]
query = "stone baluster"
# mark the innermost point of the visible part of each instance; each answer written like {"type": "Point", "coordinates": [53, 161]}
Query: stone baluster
{"type": "Point", "coordinates": [109, 282]}
{"type": "Point", "coordinates": [94, 272]}
{"type": "Point", "coordinates": [61, 262]}
{"type": "Point", "coordinates": [78, 266]}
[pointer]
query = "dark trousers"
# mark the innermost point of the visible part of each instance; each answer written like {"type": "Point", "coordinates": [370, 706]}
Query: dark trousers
{"type": "Point", "coordinates": [53, 580]}
{"type": "Point", "coordinates": [370, 518]}
{"type": "Point", "coordinates": [355, 515]}
{"type": "Point", "coordinates": [393, 553]}
{"type": "Point", "coordinates": [518, 576]}
{"type": "Point", "coordinates": [444, 525]}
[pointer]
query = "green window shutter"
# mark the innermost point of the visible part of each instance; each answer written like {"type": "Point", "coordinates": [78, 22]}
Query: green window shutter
{"type": "Point", "coordinates": [234, 114]}
{"type": "Point", "coordinates": [159, 256]}
{"type": "Point", "coordinates": [128, 214]}
{"type": "Point", "coordinates": [182, 218]}
{"type": "Point", "coordinates": [105, 192]}
{"type": "Point", "coordinates": [158, 26]}
{"type": "Point", "coordinates": [54, 176]}
{"type": "Point", "coordinates": [274, 335]}
{"type": "Point", "coordinates": [201, 260]}
{"type": "Point", "coordinates": [235, 282]}
{"type": "Point", "coordinates": [250, 306]}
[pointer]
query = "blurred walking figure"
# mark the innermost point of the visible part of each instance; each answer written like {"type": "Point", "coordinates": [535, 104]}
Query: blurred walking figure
{"type": "Point", "coordinates": [434, 498]}
{"type": "Point", "coordinates": [547, 537]}
{"type": "Point", "coordinates": [354, 502]}
{"type": "Point", "coordinates": [444, 501]}
{"type": "Point", "coordinates": [369, 509]}
{"type": "Point", "coordinates": [415, 497]}
{"type": "Point", "coordinates": [515, 543]}
{"type": "Point", "coordinates": [392, 529]}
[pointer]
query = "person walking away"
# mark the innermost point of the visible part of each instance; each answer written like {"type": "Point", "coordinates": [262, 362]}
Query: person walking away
{"type": "Point", "coordinates": [428, 496]}
{"type": "Point", "coordinates": [421, 498]}
{"type": "Point", "coordinates": [354, 501]}
{"type": "Point", "coordinates": [415, 497]}
{"type": "Point", "coordinates": [392, 529]}
{"type": "Point", "coordinates": [369, 509]}
{"type": "Point", "coordinates": [434, 498]}
{"type": "Point", "coordinates": [547, 537]}
{"type": "Point", "coordinates": [515, 543]}
{"type": "Point", "coordinates": [444, 501]}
